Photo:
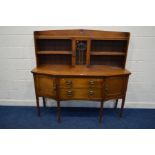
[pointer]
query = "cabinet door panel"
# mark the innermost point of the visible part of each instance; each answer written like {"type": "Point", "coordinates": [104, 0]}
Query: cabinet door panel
{"type": "Point", "coordinates": [45, 86]}
{"type": "Point", "coordinates": [115, 87]}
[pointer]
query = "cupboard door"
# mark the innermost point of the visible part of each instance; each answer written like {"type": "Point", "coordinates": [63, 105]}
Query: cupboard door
{"type": "Point", "coordinates": [115, 87]}
{"type": "Point", "coordinates": [45, 86]}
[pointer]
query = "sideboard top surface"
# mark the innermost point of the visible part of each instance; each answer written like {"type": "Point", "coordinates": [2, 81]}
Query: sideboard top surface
{"type": "Point", "coordinates": [80, 70]}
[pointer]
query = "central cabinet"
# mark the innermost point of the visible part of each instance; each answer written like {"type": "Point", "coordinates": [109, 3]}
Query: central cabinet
{"type": "Point", "coordinates": [81, 65]}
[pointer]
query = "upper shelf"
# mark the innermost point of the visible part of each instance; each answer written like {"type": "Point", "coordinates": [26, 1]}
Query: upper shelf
{"type": "Point", "coordinates": [92, 53]}
{"type": "Point", "coordinates": [54, 52]}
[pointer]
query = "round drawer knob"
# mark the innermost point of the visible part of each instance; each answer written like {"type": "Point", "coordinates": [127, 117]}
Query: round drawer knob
{"type": "Point", "coordinates": [68, 82]}
{"type": "Point", "coordinates": [92, 82]}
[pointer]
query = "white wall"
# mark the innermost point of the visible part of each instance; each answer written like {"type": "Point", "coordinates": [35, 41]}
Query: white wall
{"type": "Point", "coordinates": [17, 59]}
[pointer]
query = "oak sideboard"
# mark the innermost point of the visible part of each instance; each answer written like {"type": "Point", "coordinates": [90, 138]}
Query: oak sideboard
{"type": "Point", "coordinates": [81, 65]}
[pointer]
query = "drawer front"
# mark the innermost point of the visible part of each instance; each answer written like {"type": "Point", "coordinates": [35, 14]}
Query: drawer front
{"type": "Point", "coordinates": [46, 86]}
{"type": "Point", "coordinates": [115, 87]}
{"type": "Point", "coordinates": [80, 83]}
{"type": "Point", "coordinates": [80, 94]}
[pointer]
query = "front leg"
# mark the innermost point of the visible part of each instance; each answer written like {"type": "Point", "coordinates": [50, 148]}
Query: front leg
{"type": "Point", "coordinates": [122, 107]}
{"type": "Point", "coordinates": [101, 112]}
{"type": "Point", "coordinates": [58, 111]}
{"type": "Point", "coordinates": [116, 103]}
{"type": "Point", "coordinates": [44, 102]}
{"type": "Point", "coordinates": [38, 107]}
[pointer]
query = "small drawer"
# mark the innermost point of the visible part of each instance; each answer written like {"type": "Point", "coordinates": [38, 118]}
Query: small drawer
{"type": "Point", "coordinates": [80, 94]}
{"type": "Point", "coordinates": [80, 83]}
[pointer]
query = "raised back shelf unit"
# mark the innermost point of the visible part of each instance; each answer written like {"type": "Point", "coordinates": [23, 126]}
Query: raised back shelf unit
{"type": "Point", "coordinates": [81, 47]}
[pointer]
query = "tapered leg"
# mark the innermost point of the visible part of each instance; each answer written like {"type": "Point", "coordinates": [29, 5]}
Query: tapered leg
{"type": "Point", "coordinates": [44, 102]}
{"type": "Point", "coordinates": [38, 107]}
{"type": "Point", "coordinates": [58, 111]}
{"type": "Point", "coordinates": [116, 103]}
{"type": "Point", "coordinates": [122, 107]}
{"type": "Point", "coordinates": [101, 112]}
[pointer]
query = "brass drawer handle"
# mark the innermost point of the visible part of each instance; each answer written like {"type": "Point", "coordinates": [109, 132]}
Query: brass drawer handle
{"type": "Point", "coordinates": [69, 93]}
{"type": "Point", "coordinates": [68, 82]}
{"type": "Point", "coordinates": [92, 82]}
{"type": "Point", "coordinates": [90, 92]}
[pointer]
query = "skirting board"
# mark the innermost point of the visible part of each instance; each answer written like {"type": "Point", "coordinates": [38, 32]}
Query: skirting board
{"type": "Point", "coordinates": [50, 103]}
